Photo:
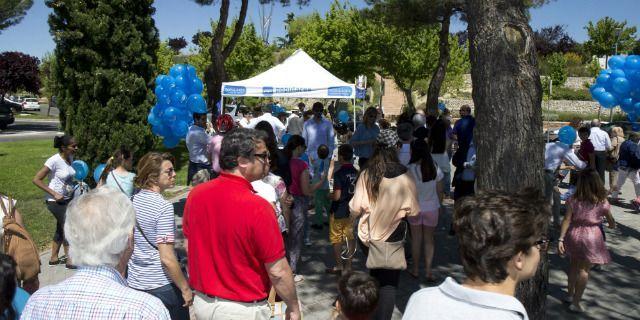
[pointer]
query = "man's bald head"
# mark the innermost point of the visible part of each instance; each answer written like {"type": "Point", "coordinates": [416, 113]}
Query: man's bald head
{"type": "Point", "coordinates": [595, 123]}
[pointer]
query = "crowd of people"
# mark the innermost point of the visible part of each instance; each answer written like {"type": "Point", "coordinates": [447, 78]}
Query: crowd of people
{"type": "Point", "coordinates": [246, 220]}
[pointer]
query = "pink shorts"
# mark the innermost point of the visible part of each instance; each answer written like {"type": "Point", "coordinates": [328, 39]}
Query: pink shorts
{"type": "Point", "coordinates": [426, 218]}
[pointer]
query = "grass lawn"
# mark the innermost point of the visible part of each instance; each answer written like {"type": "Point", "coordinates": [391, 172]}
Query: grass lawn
{"type": "Point", "coordinates": [34, 116]}
{"type": "Point", "coordinates": [21, 160]}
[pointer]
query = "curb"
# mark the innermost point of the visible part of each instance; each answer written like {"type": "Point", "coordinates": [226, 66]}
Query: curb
{"type": "Point", "coordinates": [35, 120]}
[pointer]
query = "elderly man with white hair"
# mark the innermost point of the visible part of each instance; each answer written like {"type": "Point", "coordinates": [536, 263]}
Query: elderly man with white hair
{"type": "Point", "coordinates": [99, 227]}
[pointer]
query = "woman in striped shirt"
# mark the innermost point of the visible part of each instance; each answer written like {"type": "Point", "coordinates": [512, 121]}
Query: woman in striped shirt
{"type": "Point", "coordinates": [153, 267]}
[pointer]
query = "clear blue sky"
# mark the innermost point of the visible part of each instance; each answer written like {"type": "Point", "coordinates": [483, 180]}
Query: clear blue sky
{"type": "Point", "coordinates": [175, 18]}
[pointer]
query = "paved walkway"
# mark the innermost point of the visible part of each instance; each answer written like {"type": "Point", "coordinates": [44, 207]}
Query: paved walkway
{"type": "Point", "coordinates": [612, 293]}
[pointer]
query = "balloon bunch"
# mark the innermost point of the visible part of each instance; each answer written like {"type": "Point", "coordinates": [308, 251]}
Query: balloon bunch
{"type": "Point", "coordinates": [178, 97]}
{"type": "Point", "coordinates": [620, 85]}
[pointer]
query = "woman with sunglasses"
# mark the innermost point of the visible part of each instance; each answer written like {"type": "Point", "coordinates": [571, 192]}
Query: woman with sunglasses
{"type": "Point", "coordinates": [153, 267]}
{"type": "Point", "coordinates": [59, 192]}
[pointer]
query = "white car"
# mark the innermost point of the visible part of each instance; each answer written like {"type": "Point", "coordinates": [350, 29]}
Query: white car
{"type": "Point", "coordinates": [30, 104]}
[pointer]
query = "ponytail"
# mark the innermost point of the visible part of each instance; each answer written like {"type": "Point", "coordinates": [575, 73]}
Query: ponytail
{"type": "Point", "coordinates": [117, 159]}
{"type": "Point", "coordinates": [60, 142]}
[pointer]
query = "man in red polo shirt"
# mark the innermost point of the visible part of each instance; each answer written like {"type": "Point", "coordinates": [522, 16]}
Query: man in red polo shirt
{"type": "Point", "coordinates": [235, 248]}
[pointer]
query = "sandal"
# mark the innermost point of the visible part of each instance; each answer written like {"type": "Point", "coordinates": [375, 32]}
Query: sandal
{"type": "Point", "coordinates": [333, 270]}
{"type": "Point", "coordinates": [414, 275]}
{"type": "Point", "coordinates": [60, 260]}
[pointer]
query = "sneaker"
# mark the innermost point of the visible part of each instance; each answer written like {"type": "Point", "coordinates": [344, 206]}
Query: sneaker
{"type": "Point", "coordinates": [297, 278]}
{"type": "Point", "coordinates": [307, 243]}
{"type": "Point", "coordinates": [576, 308]}
{"type": "Point", "coordinates": [635, 205]}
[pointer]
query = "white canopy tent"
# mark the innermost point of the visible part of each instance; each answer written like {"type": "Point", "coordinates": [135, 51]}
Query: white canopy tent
{"type": "Point", "coordinates": [299, 76]}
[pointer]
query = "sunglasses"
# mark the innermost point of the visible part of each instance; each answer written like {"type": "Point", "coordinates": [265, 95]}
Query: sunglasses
{"type": "Point", "coordinates": [264, 156]}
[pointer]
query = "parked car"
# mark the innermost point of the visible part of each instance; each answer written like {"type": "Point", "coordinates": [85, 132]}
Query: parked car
{"type": "Point", "coordinates": [30, 104]}
{"type": "Point", "coordinates": [6, 115]}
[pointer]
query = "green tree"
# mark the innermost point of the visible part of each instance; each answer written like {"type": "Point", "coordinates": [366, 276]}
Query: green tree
{"type": "Point", "coordinates": [47, 78]}
{"type": "Point", "coordinates": [603, 35]}
{"type": "Point", "coordinates": [250, 56]}
{"type": "Point", "coordinates": [106, 61]}
{"type": "Point", "coordinates": [407, 55]}
{"type": "Point", "coordinates": [340, 42]}
{"type": "Point", "coordinates": [220, 50]}
{"type": "Point", "coordinates": [165, 57]}
{"type": "Point", "coordinates": [12, 12]}
{"type": "Point", "coordinates": [558, 69]}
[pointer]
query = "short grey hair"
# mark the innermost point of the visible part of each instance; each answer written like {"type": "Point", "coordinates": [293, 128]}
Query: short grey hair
{"type": "Point", "coordinates": [98, 226]}
{"type": "Point", "coordinates": [419, 120]}
{"type": "Point", "coordinates": [240, 142]}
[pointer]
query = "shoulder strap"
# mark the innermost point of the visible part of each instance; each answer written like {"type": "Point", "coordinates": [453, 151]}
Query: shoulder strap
{"type": "Point", "coordinates": [140, 229]}
{"type": "Point", "coordinates": [10, 212]}
{"type": "Point", "coordinates": [118, 183]}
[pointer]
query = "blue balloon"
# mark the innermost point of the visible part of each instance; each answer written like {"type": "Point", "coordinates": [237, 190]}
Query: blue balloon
{"type": "Point", "coordinates": [164, 99]}
{"type": "Point", "coordinates": [179, 99]}
{"type": "Point", "coordinates": [617, 73]}
{"type": "Point", "coordinates": [597, 92]}
{"type": "Point", "coordinates": [343, 116]}
{"type": "Point", "coordinates": [633, 75]}
{"type": "Point", "coordinates": [441, 106]}
{"type": "Point", "coordinates": [621, 86]}
{"type": "Point", "coordinates": [159, 90]}
{"type": "Point", "coordinates": [168, 83]}
{"type": "Point", "coordinates": [179, 128]}
{"type": "Point", "coordinates": [160, 130]}
{"type": "Point", "coordinates": [176, 70]}
{"type": "Point", "coordinates": [196, 104]}
{"type": "Point", "coordinates": [196, 86]}
{"type": "Point", "coordinates": [607, 100]}
{"type": "Point", "coordinates": [632, 117]}
{"type": "Point", "coordinates": [181, 83]}
{"type": "Point", "coordinates": [626, 105]}
{"type": "Point", "coordinates": [98, 172]}
{"type": "Point", "coordinates": [567, 135]}
{"type": "Point", "coordinates": [153, 119]}
{"type": "Point", "coordinates": [170, 142]}
{"type": "Point", "coordinates": [304, 157]}
{"type": "Point", "coordinates": [607, 71]}
{"type": "Point", "coordinates": [632, 63]}
{"type": "Point", "coordinates": [191, 71]}
{"type": "Point", "coordinates": [158, 110]}
{"type": "Point", "coordinates": [636, 108]}
{"type": "Point", "coordinates": [603, 79]}
{"type": "Point", "coordinates": [616, 62]}
{"type": "Point", "coordinates": [170, 114]}
{"type": "Point", "coordinates": [81, 168]}
{"type": "Point", "coordinates": [159, 79]}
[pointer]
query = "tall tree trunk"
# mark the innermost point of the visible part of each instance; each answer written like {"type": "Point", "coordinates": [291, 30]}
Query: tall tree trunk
{"type": "Point", "coordinates": [215, 73]}
{"type": "Point", "coordinates": [441, 70]}
{"type": "Point", "coordinates": [507, 95]}
{"type": "Point", "coordinates": [408, 94]}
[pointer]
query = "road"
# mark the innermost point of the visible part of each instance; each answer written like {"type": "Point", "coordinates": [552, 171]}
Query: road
{"type": "Point", "coordinates": [22, 130]}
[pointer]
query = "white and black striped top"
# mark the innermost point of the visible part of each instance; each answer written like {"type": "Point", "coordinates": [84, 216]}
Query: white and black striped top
{"type": "Point", "coordinates": [155, 216]}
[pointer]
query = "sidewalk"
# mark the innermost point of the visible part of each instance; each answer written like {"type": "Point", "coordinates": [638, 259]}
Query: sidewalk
{"type": "Point", "coordinates": [612, 293]}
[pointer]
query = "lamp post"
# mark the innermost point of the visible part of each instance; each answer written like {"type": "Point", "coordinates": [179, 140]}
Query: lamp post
{"type": "Point", "coordinates": [617, 32]}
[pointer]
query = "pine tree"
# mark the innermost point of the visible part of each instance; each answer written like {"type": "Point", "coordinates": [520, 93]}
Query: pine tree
{"type": "Point", "coordinates": [106, 59]}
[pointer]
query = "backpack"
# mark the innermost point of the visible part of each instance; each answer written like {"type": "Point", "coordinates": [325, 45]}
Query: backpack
{"type": "Point", "coordinates": [627, 157]}
{"type": "Point", "coordinates": [18, 244]}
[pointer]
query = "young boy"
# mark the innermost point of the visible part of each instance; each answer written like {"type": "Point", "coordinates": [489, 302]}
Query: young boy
{"type": "Point", "coordinates": [321, 195]}
{"type": "Point", "coordinates": [340, 225]}
{"type": "Point", "coordinates": [357, 296]}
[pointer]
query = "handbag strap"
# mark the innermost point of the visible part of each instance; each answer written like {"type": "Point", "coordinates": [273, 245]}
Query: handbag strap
{"type": "Point", "coordinates": [401, 221]}
{"type": "Point", "coordinates": [8, 212]}
{"type": "Point", "coordinates": [140, 229]}
{"type": "Point", "coordinates": [118, 184]}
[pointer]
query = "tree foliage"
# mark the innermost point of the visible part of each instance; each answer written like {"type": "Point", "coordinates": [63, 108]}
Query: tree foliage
{"type": "Point", "coordinates": [47, 75]}
{"type": "Point", "coordinates": [553, 39]}
{"type": "Point", "coordinates": [177, 44]}
{"type": "Point", "coordinates": [18, 71]}
{"type": "Point", "coordinates": [106, 62]}
{"type": "Point", "coordinates": [250, 56]}
{"type": "Point", "coordinates": [603, 36]}
{"type": "Point", "coordinates": [558, 68]}
{"type": "Point", "coordinates": [340, 41]}
{"type": "Point", "coordinates": [12, 12]}
{"type": "Point", "coordinates": [196, 37]}
{"type": "Point", "coordinates": [165, 57]}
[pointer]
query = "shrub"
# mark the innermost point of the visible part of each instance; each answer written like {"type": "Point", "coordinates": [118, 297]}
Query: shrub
{"type": "Point", "coordinates": [558, 69]}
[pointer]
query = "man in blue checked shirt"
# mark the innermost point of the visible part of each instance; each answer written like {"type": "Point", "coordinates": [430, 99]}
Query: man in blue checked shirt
{"type": "Point", "coordinates": [99, 227]}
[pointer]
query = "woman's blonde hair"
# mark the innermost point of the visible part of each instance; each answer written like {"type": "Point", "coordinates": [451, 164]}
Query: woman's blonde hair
{"type": "Point", "coordinates": [617, 132]}
{"type": "Point", "coordinates": [149, 168]}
